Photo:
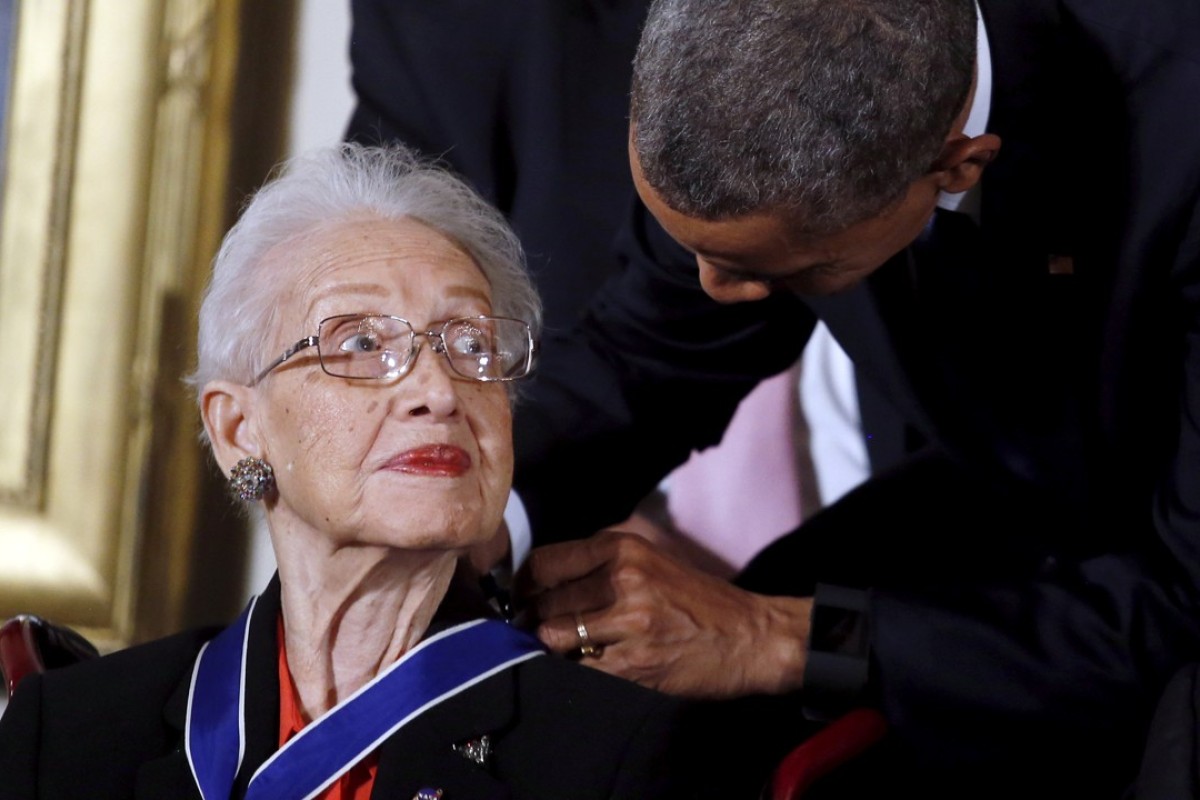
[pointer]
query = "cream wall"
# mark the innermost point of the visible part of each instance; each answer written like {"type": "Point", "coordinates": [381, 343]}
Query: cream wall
{"type": "Point", "coordinates": [321, 103]}
{"type": "Point", "coordinates": [322, 98]}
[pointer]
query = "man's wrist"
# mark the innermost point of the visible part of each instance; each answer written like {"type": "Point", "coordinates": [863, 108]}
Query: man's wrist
{"type": "Point", "coordinates": [787, 654]}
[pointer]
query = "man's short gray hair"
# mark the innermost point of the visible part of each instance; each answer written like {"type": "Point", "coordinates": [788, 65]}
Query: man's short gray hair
{"type": "Point", "coordinates": [319, 190]}
{"type": "Point", "coordinates": [823, 109]}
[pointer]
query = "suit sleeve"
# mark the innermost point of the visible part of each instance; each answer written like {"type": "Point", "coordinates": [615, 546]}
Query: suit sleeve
{"type": "Point", "coordinates": [1047, 660]}
{"type": "Point", "coordinates": [1065, 665]}
{"type": "Point", "coordinates": [654, 370]}
{"type": "Point", "coordinates": [1009, 629]}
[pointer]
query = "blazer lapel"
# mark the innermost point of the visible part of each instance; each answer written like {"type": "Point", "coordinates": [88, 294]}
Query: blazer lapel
{"type": "Point", "coordinates": [171, 775]}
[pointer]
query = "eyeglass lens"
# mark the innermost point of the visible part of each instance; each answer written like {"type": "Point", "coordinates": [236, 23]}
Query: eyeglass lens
{"type": "Point", "coordinates": [376, 346]}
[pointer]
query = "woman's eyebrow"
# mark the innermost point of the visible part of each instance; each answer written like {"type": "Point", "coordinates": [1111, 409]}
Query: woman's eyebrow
{"type": "Point", "coordinates": [467, 292]}
{"type": "Point", "coordinates": [368, 289]}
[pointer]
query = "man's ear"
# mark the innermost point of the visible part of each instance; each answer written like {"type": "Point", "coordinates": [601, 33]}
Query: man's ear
{"type": "Point", "coordinates": [227, 410]}
{"type": "Point", "coordinates": [960, 164]}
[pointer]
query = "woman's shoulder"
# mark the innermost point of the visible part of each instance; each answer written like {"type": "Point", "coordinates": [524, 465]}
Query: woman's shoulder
{"type": "Point", "coordinates": [593, 734]}
{"type": "Point", "coordinates": [134, 671]}
{"type": "Point", "coordinates": [132, 684]}
{"type": "Point", "coordinates": [58, 735]}
{"type": "Point", "coordinates": [556, 680]}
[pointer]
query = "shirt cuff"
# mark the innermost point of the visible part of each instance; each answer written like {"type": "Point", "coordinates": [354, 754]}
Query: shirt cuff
{"type": "Point", "coordinates": [520, 534]}
{"type": "Point", "coordinates": [837, 673]}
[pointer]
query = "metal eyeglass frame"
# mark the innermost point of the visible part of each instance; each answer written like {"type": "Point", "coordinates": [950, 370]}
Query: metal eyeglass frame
{"type": "Point", "coordinates": [437, 340]}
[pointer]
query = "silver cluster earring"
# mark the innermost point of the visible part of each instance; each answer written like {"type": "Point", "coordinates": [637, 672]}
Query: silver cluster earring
{"type": "Point", "coordinates": [251, 478]}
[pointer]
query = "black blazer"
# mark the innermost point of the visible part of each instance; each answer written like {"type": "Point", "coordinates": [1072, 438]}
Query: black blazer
{"type": "Point", "coordinates": [113, 728]}
{"type": "Point", "coordinates": [1033, 572]}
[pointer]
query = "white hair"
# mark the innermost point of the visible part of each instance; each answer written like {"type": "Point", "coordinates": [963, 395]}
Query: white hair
{"type": "Point", "coordinates": [324, 187]}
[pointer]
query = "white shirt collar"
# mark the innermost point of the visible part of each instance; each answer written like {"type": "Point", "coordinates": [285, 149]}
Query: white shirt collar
{"type": "Point", "coordinates": [977, 118]}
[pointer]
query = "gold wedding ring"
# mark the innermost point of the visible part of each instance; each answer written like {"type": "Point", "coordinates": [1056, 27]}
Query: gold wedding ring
{"type": "Point", "coordinates": [585, 642]}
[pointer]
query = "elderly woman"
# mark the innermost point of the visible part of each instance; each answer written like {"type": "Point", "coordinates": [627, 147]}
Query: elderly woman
{"type": "Point", "coordinates": [357, 341]}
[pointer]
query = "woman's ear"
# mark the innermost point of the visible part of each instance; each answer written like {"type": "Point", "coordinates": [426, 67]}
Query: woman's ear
{"type": "Point", "coordinates": [227, 410]}
{"type": "Point", "coordinates": [960, 164]}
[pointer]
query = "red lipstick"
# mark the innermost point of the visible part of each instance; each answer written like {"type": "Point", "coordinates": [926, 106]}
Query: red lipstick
{"type": "Point", "coordinates": [438, 460]}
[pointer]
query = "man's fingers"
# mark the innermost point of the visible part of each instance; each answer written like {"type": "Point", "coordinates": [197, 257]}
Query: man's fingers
{"type": "Point", "coordinates": [592, 592]}
{"type": "Point", "coordinates": [650, 619]}
{"type": "Point", "coordinates": [562, 635]}
{"type": "Point", "coordinates": [554, 564]}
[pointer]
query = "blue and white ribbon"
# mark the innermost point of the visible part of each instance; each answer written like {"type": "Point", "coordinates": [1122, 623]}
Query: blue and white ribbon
{"type": "Point", "coordinates": [438, 668]}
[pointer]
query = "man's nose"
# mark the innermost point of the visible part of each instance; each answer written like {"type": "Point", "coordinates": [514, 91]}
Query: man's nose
{"type": "Point", "coordinates": [725, 288]}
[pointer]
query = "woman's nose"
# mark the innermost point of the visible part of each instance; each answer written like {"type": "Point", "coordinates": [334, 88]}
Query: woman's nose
{"type": "Point", "coordinates": [429, 388]}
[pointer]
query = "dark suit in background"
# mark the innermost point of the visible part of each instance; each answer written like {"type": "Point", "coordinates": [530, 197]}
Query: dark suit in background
{"type": "Point", "coordinates": [1032, 572]}
{"type": "Point", "coordinates": [114, 727]}
{"type": "Point", "coordinates": [528, 100]}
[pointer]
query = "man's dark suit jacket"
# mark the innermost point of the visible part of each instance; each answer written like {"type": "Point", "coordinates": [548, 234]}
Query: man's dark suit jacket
{"type": "Point", "coordinates": [113, 728]}
{"type": "Point", "coordinates": [1171, 768]}
{"type": "Point", "coordinates": [1032, 571]}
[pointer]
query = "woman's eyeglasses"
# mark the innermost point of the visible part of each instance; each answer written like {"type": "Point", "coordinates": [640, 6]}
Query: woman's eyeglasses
{"type": "Point", "coordinates": [380, 347]}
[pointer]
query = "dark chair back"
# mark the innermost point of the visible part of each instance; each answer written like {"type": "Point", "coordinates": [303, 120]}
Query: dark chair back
{"type": "Point", "coordinates": [30, 644]}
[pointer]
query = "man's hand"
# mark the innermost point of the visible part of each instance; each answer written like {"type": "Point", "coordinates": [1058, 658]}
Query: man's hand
{"type": "Point", "coordinates": [663, 624]}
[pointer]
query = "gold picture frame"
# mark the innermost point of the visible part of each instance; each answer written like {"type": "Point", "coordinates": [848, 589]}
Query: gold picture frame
{"type": "Point", "coordinates": [115, 195]}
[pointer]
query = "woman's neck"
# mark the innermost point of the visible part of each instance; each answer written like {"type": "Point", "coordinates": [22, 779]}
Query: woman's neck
{"type": "Point", "coordinates": [352, 612]}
